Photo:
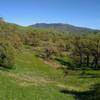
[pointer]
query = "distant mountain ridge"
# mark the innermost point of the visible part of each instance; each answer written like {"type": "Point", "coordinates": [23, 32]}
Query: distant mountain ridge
{"type": "Point", "coordinates": [59, 27]}
{"type": "Point", "coordinates": [64, 28]}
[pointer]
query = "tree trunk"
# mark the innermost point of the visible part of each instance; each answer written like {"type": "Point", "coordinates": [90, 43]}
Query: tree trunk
{"type": "Point", "coordinates": [81, 60]}
{"type": "Point", "coordinates": [88, 60]}
{"type": "Point", "coordinates": [93, 62]}
{"type": "Point", "coordinates": [96, 61]}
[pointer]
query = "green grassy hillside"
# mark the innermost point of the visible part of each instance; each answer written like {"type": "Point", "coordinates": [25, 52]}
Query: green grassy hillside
{"type": "Point", "coordinates": [32, 79]}
{"type": "Point", "coordinates": [47, 64]}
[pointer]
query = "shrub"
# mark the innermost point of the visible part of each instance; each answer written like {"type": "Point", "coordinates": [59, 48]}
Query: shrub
{"type": "Point", "coordinates": [6, 55]}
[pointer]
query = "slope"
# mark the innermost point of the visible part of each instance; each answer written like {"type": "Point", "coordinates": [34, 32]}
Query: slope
{"type": "Point", "coordinates": [30, 80]}
{"type": "Point", "coordinates": [66, 28]}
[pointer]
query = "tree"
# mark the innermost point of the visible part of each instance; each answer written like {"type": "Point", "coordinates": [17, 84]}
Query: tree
{"type": "Point", "coordinates": [95, 51]}
{"type": "Point", "coordinates": [77, 50]}
{"type": "Point", "coordinates": [48, 50]}
{"type": "Point", "coordinates": [86, 51]}
{"type": "Point", "coordinates": [6, 55]}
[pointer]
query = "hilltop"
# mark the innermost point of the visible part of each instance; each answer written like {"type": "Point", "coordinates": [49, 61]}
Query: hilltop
{"type": "Point", "coordinates": [65, 28]}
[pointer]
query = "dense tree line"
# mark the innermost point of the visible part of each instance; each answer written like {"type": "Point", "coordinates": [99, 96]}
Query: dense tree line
{"type": "Point", "coordinates": [83, 49]}
{"type": "Point", "coordinates": [86, 51]}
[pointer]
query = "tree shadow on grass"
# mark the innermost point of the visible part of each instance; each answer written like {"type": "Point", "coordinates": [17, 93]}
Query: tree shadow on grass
{"type": "Point", "coordinates": [65, 63]}
{"type": "Point", "coordinates": [92, 94]}
{"type": "Point", "coordinates": [6, 69]}
{"type": "Point", "coordinates": [90, 76]}
{"type": "Point", "coordinates": [84, 74]}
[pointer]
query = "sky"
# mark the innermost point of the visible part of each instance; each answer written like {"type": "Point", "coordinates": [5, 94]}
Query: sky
{"type": "Point", "coordinates": [85, 13]}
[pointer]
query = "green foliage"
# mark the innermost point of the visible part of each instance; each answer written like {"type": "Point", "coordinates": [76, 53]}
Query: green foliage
{"type": "Point", "coordinates": [36, 77]}
{"type": "Point", "coordinates": [86, 51]}
{"type": "Point", "coordinates": [48, 50]}
{"type": "Point", "coordinates": [83, 48]}
{"type": "Point", "coordinates": [6, 54]}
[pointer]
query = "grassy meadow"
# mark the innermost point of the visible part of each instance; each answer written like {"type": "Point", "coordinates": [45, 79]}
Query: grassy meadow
{"type": "Point", "coordinates": [32, 79]}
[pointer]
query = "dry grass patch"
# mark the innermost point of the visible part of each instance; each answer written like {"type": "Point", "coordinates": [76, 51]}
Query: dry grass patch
{"type": "Point", "coordinates": [26, 80]}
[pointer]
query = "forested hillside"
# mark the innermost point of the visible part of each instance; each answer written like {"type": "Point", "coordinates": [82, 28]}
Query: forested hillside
{"type": "Point", "coordinates": [49, 60]}
{"type": "Point", "coordinates": [65, 28]}
{"type": "Point", "coordinates": [82, 49]}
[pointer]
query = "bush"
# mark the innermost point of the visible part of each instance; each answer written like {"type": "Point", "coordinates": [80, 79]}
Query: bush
{"type": "Point", "coordinates": [6, 55]}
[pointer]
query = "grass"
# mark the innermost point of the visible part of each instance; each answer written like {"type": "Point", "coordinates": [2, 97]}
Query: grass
{"type": "Point", "coordinates": [32, 79]}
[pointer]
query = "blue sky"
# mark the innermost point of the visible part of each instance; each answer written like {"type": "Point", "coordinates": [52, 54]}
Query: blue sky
{"type": "Point", "coordinates": [84, 13]}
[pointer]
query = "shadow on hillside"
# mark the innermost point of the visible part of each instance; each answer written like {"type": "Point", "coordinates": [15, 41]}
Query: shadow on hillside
{"type": "Point", "coordinates": [74, 66]}
{"type": "Point", "coordinates": [90, 76]}
{"type": "Point", "coordinates": [4, 69]}
{"type": "Point", "coordinates": [65, 63]}
{"type": "Point", "coordinates": [92, 94]}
